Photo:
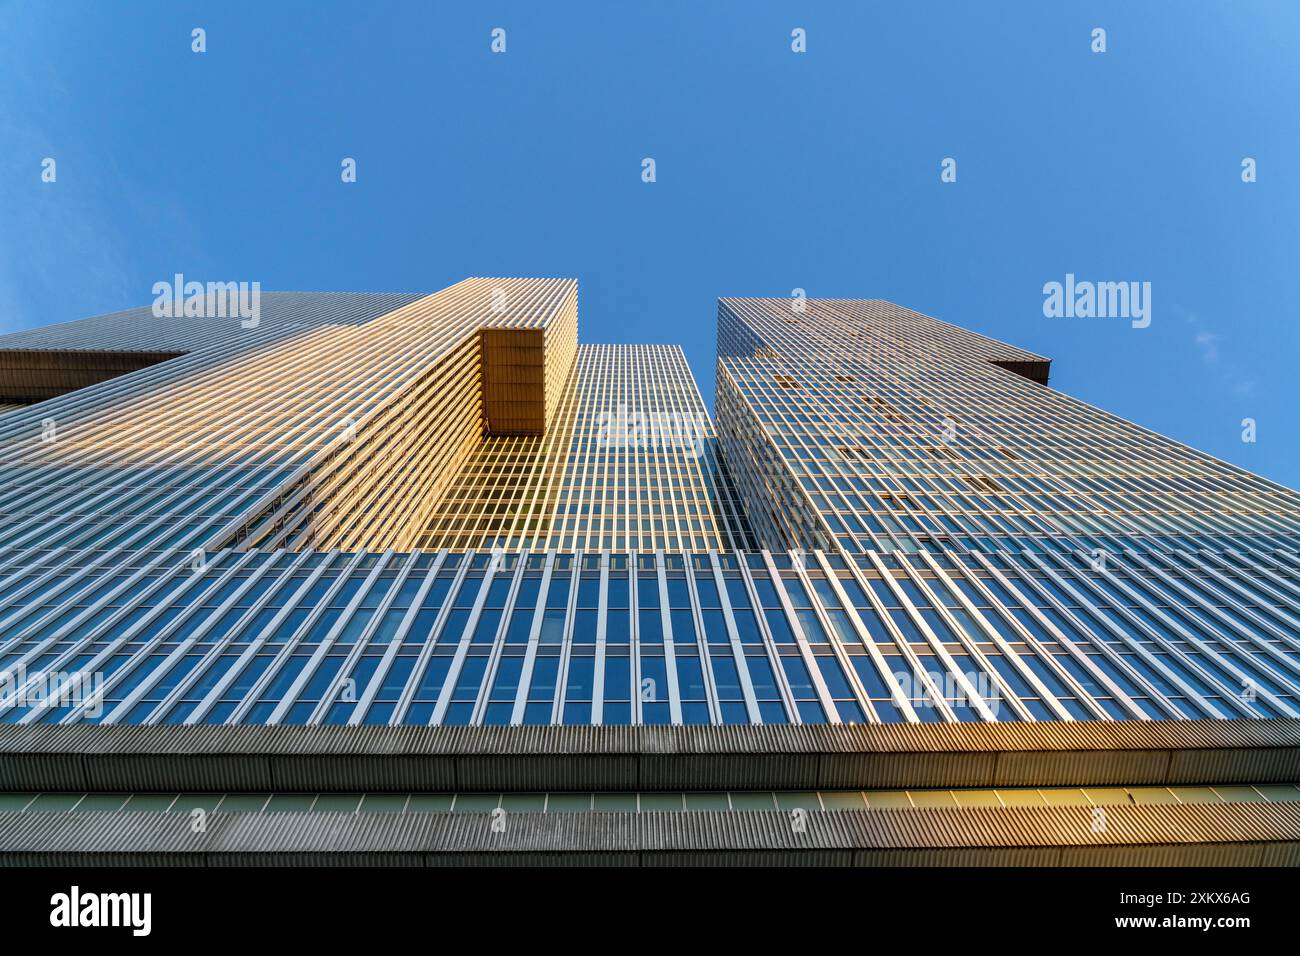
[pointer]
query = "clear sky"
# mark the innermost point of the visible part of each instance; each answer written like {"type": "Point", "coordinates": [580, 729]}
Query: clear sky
{"type": "Point", "coordinates": [775, 170]}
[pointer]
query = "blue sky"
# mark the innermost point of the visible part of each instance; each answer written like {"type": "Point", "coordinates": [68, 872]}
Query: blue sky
{"type": "Point", "coordinates": [775, 170]}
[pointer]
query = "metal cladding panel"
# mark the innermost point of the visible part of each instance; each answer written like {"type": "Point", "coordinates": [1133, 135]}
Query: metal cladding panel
{"type": "Point", "coordinates": [363, 772]}
{"type": "Point", "coordinates": [1247, 854]}
{"type": "Point", "coordinates": [540, 833]}
{"type": "Point", "coordinates": [321, 832]}
{"type": "Point", "coordinates": [550, 772]}
{"type": "Point", "coordinates": [1228, 854]}
{"type": "Point", "coordinates": [179, 772]}
{"type": "Point", "coordinates": [513, 367]}
{"type": "Point", "coordinates": [294, 758]}
{"type": "Point", "coordinates": [998, 856]}
{"type": "Point", "coordinates": [1237, 766]}
{"type": "Point", "coordinates": [314, 859]}
{"type": "Point", "coordinates": [1209, 735]}
{"type": "Point", "coordinates": [763, 858]}
{"type": "Point", "coordinates": [1060, 768]}
{"type": "Point", "coordinates": [881, 769]}
{"type": "Point", "coordinates": [730, 771]}
{"type": "Point", "coordinates": [151, 833]}
{"type": "Point", "coordinates": [43, 771]}
{"type": "Point", "coordinates": [1135, 835]}
{"type": "Point", "coordinates": [532, 859]}
{"type": "Point", "coordinates": [1231, 855]}
{"type": "Point", "coordinates": [1276, 854]}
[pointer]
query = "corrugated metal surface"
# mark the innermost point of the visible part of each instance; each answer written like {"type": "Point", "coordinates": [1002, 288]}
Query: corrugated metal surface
{"type": "Point", "coordinates": [1014, 856]}
{"type": "Point", "coordinates": [292, 758]}
{"type": "Point", "coordinates": [1049, 768]}
{"type": "Point", "coordinates": [1138, 835]}
{"type": "Point", "coordinates": [781, 739]}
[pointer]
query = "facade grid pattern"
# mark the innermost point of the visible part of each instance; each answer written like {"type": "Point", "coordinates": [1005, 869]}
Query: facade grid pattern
{"type": "Point", "coordinates": [443, 510]}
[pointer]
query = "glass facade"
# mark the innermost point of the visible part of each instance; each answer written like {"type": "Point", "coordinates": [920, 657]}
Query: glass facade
{"type": "Point", "coordinates": [630, 464]}
{"type": "Point", "coordinates": [443, 510]}
{"type": "Point", "coordinates": [860, 426]}
{"type": "Point", "coordinates": [672, 637]}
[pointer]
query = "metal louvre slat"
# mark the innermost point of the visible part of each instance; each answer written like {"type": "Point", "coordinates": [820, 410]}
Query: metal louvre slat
{"type": "Point", "coordinates": [1142, 831]}
{"type": "Point", "coordinates": [298, 758]}
{"type": "Point", "coordinates": [785, 739]}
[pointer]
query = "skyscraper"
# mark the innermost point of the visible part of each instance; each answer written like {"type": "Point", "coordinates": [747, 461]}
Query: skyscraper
{"type": "Point", "coordinates": [902, 432]}
{"type": "Point", "coordinates": [1137, 572]}
{"type": "Point", "coordinates": [365, 552]}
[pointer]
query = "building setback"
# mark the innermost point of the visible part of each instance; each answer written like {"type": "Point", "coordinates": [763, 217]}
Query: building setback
{"type": "Point", "coordinates": [429, 558]}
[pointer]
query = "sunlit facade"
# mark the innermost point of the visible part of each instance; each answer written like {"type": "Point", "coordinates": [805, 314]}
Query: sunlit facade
{"type": "Point", "coordinates": [629, 464]}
